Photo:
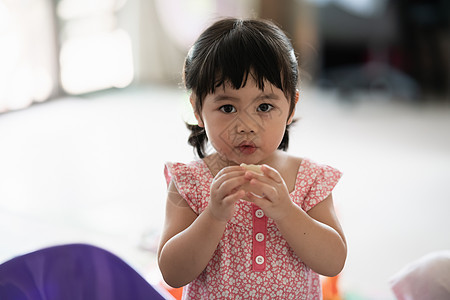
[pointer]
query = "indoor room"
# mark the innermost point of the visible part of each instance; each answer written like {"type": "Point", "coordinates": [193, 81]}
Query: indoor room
{"type": "Point", "coordinates": [92, 106]}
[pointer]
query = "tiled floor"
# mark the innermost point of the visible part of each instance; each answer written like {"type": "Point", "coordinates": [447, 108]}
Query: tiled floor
{"type": "Point", "coordinates": [90, 170]}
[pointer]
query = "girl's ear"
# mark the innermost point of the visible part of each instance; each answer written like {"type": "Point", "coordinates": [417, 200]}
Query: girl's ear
{"type": "Point", "coordinates": [291, 117]}
{"type": "Point", "coordinates": [194, 108]}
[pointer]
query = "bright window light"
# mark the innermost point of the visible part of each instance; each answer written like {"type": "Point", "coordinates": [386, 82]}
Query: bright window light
{"type": "Point", "coordinates": [27, 72]}
{"type": "Point", "coordinates": [95, 53]}
{"type": "Point", "coordinates": [96, 62]}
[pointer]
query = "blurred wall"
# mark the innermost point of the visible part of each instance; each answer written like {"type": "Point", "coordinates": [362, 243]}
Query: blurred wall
{"type": "Point", "coordinates": [299, 20]}
{"type": "Point", "coordinates": [394, 47]}
{"type": "Point", "coordinates": [163, 30]}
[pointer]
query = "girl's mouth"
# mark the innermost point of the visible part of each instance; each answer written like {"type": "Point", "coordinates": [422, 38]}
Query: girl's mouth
{"type": "Point", "coordinates": [247, 148]}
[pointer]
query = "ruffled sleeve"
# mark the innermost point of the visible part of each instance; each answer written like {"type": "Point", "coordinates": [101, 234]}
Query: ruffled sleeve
{"type": "Point", "coordinates": [320, 181]}
{"type": "Point", "coordinates": [189, 181]}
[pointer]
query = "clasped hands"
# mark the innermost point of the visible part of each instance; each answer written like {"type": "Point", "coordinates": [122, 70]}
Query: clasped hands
{"type": "Point", "coordinates": [267, 190]}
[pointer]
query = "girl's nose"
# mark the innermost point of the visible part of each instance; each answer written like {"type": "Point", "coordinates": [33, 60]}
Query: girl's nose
{"type": "Point", "coordinates": [246, 130]}
{"type": "Point", "coordinates": [246, 124]}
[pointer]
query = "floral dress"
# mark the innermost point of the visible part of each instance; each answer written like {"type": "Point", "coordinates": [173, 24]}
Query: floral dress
{"type": "Point", "coordinates": [253, 260]}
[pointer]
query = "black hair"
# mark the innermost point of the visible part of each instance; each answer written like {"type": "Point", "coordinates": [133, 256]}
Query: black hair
{"type": "Point", "coordinates": [228, 52]}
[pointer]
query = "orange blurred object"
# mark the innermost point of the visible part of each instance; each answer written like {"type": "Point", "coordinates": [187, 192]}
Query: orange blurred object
{"type": "Point", "coordinates": [330, 288]}
{"type": "Point", "coordinates": [175, 292]}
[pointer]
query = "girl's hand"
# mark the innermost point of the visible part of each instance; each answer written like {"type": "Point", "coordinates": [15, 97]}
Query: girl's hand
{"type": "Point", "coordinates": [272, 194]}
{"type": "Point", "coordinates": [225, 192]}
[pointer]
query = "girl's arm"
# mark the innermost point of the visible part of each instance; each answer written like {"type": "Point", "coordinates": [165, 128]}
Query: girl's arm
{"type": "Point", "coordinates": [188, 241]}
{"type": "Point", "coordinates": [316, 237]}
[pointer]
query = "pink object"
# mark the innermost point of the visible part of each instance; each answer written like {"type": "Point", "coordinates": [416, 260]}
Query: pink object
{"type": "Point", "coordinates": [425, 278]}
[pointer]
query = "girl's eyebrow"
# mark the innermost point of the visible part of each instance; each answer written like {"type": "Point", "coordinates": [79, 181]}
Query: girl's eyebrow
{"type": "Point", "coordinates": [225, 98]}
{"type": "Point", "coordinates": [262, 96]}
{"type": "Point", "coordinates": [270, 96]}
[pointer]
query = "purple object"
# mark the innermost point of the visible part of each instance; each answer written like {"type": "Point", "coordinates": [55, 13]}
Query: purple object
{"type": "Point", "coordinates": [72, 272]}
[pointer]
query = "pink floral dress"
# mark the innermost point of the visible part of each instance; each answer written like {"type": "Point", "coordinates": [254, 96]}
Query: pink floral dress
{"type": "Point", "coordinates": [253, 260]}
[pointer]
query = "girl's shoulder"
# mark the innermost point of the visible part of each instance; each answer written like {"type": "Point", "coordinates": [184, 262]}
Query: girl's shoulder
{"type": "Point", "coordinates": [295, 169]}
{"type": "Point", "coordinates": [313, 183]}
{"type": "Point", "coordinates": [296, 164]}
{"type": "Point", "coordinates": [287, 163]}
{"type": "Point", "coordinates": [192, 181]}
{"type": "Point", "coordinates": [180, 171]}
{"type": "Point", "coordinates": [293, 162]}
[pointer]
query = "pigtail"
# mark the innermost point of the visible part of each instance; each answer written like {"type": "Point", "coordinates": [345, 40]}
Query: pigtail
{"type": "Point", "coordinates": [285, 141]}
{"type": "Point", "coordinates": [197, 139]}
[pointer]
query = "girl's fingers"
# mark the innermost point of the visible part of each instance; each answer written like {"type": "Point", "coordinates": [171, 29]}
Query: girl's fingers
{"type": "Point", "coordinates": [269, 174]}
{"type": "Point", "coordinates": [257, 200]}
{"type": "Point", "coordinates": [223, 176]}
{"type": "Point", "coordinates": [250, 197]}
{"type": "Point", "coordinates": [228, 181]}
{"type": "Point", "coordinates": [227, 170]}
{"type": "Point", "coordinates": [233, 198]}
{"type": "Point", "coordinates": [268, 191]}
{"type": "Point", "coordinates": [250, 176]}
{"type": "Point", "coordinates": [263, 190]}
{"type": "Point", "coordinates": [232, 184]}
{"type": "Point", "coordinates": [224, 209]}
{"type": "Point", "coordinates": [272, 173]}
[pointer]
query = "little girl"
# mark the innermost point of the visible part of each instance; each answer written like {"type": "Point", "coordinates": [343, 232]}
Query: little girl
{"type": "Point", "coordinates": [229, 232]}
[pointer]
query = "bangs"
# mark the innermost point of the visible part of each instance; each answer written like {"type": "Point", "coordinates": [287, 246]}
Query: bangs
{"type": "Point", "coordinates": [243, 49]}
{"type": "Point", "coordinates": [239, 55]}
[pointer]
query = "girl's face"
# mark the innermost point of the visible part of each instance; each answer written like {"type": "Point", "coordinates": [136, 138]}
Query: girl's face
{"type": "Point", "coordinates": [245, 125]}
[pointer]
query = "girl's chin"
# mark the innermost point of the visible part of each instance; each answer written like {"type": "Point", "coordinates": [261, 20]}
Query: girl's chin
{"type": "Point", "coordinates": [237, 158]}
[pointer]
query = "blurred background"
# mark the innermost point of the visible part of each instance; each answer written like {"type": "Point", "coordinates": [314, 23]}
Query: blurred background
{"type": "Point", "coordinates": [91, 106]}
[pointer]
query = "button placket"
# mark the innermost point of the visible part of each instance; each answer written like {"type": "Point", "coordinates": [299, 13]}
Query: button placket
{"type": "Point", "coordinates": [259, 239]}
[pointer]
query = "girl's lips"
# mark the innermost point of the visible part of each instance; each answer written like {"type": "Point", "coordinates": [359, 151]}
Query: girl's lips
{"type": "Point", "coordinates": [247, 148]}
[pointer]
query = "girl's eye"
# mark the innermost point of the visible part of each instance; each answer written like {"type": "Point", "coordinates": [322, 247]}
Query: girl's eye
{"type": "Point", "coordinates": [265, 107]}
{"type": "Point", "coordinates": [228, 109]}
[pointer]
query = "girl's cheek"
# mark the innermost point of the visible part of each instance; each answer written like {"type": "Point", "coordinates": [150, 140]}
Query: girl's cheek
{"type": "Point", "coordinates": [265, 118]}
